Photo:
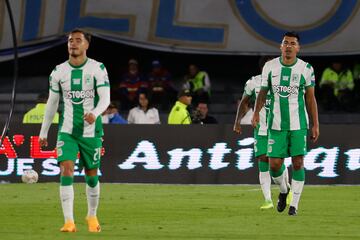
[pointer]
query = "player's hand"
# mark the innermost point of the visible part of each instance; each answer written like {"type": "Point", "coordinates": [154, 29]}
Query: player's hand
{"type": "Point", "coordinates": [43, 142]}
{"type": "Point", "coordinates": [89, 117]}
{"type": "Point", "coordinates": [237, 128]}
{"type": "Point", "coordinates": [315, 133]}
{"type": "Point", "coordinates": [255, 119]}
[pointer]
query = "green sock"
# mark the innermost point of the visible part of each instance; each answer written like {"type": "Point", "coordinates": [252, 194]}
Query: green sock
{"type": "Point", "coordinates": [263, 166]}
{"type": "Point", "coordinates": [92, 181]}
{"type": "Point", "coordinates": [66, 180]}
{"type": "Point", "coordinates": [278, 173]}
{"type": "Point", "coordinates": [299, 175]}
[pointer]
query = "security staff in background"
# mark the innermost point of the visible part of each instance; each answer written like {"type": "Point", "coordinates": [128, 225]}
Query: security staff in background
{"type": "Point", "coordinates": [179, 113]}
{"type": "Point", "coordinates": [36, 114]}
{"type": "Point", "coordinates": [337, 83]}
{"type": "Point", "coordinates": [198, 82]}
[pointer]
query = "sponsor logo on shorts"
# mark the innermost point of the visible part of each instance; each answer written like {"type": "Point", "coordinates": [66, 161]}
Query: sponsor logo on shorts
{"type": "Point", "coordinates": [59, 152]}
{"type": "Point", "coordinates": [270, 149]}
{"type": "Point", "coordinates": [60, 144]}
{"type": "Point", "coordinates": [271, 141]}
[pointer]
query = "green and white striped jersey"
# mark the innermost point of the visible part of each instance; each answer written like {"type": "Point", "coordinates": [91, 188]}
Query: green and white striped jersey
{"type": "Point", "coordinates": [287, 85]}
{"type": "Point", "coordinates": [252, 89]}
{"type": "Point", "coordinates": [77, 86]}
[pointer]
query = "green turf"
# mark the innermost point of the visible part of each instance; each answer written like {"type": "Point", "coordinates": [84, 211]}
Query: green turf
{"type": "Point", "coordinates": [180, 212]}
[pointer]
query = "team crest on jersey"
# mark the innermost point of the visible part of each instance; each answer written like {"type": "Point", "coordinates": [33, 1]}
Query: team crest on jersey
{"type": "Point", "coordinates": [87, 79]}
{"type": "Point", "coordinates": [295, 78]}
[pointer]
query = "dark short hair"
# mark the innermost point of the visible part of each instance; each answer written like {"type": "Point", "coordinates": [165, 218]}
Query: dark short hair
{"type": "Point", "coordinates": [87, 35]}
{"type": "Point", "coordinates": [292, 34]}
{"type": "Point", "coordinates": [148, 96]}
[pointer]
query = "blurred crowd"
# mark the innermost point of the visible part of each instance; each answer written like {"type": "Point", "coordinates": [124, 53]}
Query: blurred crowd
{"type": "Point", "coordinates": [144, 95]}
{"type": "Point", "coordinates": [137, 98]}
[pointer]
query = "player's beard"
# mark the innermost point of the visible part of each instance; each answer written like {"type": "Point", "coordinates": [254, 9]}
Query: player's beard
{"type": "Point", "coordinates": [288, 54]}
{"type": "Point", "coordinates": [75, 53]}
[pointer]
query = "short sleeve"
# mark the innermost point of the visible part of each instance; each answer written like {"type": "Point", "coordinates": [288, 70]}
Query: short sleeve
{"type": "Point", "coordinates": [309, 76]}
{"type": "Point", "coordinates": [266, 77]}
{"type": "Point", "coordinates": [249, 88]}
{"type": "Point", "coordinates": [54, 84]}
{"type": "Point", "coordinates": [101, 76]}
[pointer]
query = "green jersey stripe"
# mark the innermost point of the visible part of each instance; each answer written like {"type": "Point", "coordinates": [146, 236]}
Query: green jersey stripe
{"type": "Point", "coordinates": [77, 103]}
{"type": "Point", "coordinates": [284, 100]}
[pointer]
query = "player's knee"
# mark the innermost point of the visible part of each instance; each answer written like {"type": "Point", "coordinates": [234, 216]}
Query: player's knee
{"type": "Point", "coordinates": [298, 163]}
{"type": "Point", "coordinates": [67, 171]}
{"type": "Point", "coordinates": [67, 168]}
{"type": "Point", "coordinates": [92, 181]}
{"type": "Point", "coordinates": [275, 166]}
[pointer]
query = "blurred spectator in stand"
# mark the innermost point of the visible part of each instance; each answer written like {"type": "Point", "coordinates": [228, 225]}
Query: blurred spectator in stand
{"type": "Point", "coordinates": [144, 113]}
{"type": "Point", "coordinates": [36, 114]}
{"type": "Point", "coordinates": [179, 113]}
{"type": "Point", "coordinates": [200, 115]}
{"type": "Point", "coordinates": [160, 85]}
{"type": "Point", "coordinates": [336, 86]}
{"type": "Point", "coordinates": [198, 83]}
{"type": "Point", "coordinates": [131, 84]}
{"type": "Point", "coordinates": [112, 116]}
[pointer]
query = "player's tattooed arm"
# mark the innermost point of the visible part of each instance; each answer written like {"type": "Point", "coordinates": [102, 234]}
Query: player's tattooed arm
{"type": "Point", "coordinates": [260, 102]}
{"type": "Point", "coordinates": [242, 109]}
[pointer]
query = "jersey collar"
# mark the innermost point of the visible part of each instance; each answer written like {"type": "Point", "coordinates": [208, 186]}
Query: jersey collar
{"type": "Point", "coordinates": [81, 65]}
{"type": "Point", "coordinates": [287, 65]}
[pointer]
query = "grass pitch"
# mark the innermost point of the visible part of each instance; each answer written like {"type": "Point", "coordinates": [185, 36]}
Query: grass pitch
{"type": "Point", "coordinates": [180, 212]}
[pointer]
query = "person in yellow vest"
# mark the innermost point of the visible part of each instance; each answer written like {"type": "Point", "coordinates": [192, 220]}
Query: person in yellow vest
{"type": "Point", "coordinates": [198, 82]}
{"type": "Point", "coordinates": [337, 84]}
{"type": "Point", "coordinates": [179, 113]}
{"type": "Point", "coordinates": [36, 114]}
